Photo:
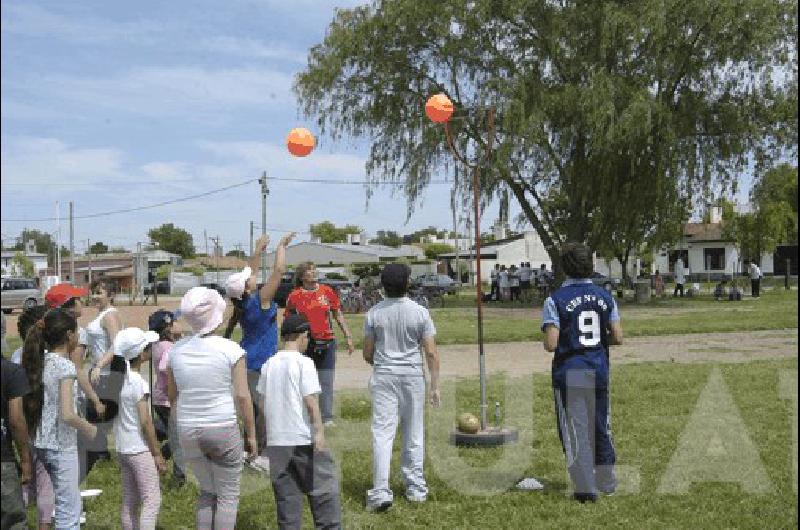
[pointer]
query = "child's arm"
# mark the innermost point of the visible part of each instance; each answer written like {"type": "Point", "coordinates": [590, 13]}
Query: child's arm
{"type": "Point", "coordinates": [67, 410]}
{"type": "Point", "coordinates": [241, 393]}
{"type": "Point", "coordinates": [112, 323]}
{"type": "Point", "coordinates": [550, 339]}
{"type": "Point", "coordinates": [616, 333]}
{"type": "Point", "coordinates": [83, 379]}
{"type": "Point", "coordinates": [146, 421]}
{"type": "Point", "coordinates": [311, 402]}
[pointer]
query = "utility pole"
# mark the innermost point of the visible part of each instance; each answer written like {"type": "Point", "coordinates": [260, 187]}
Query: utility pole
{"type": "Point", "coordinates": [89, 254]}
{"type": "Point", "coordinates": [264, 193]}
{"type": "Point", "coordinates": [205, 237]}
{"type": "Point", "coordinates": [215, 240]}
{"type": "Point", "coordinates": [251, 239]}
{"type": "Point", "coordinates": [455, 232]}
{"type": "Point", "coordinates": [71, 244]}
{"type": "Point", "coordinates": [58, 241]}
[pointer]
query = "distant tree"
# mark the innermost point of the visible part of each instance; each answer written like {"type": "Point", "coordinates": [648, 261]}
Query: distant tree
{"type": "Point", "coordinates": [43, 242]}
{"type": "Point", "coordinates": [170, 238]}
{"type": "Point", "coordinates": [390, 238]}
{"type": "Point", "coordinates": [22, 265]}
{"type": "Point", "coordinates": [415, 237]}
{"type": "Point", "coordinates": [162, 272]}
{"type": "Point", "coordinates": [98, 247]}
{"type": "Point", "coordinates": [236, 254]}
{"type": "Point", "coordinates": [328, 232]}
{"type": "Point", "coordinates": [432, 250]}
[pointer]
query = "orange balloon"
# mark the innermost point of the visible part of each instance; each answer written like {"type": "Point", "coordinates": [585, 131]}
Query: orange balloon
{"type": "Point", "coordinates": [439, 108]}
{"type": "Point", "coordinates": [300, 141]}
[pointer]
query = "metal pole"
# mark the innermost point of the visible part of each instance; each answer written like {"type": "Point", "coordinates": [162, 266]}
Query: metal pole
{"type": "Point", "coordinates": [455, 233]}
{"type": "Point", "coordinates": [264, 193]}
{"type": "Point", "coordinates": [58, 241]}
{"type": "Point", "coordinates": [89, 254]}
{"type": "Point", "coordinates": [217, 252]}
{"type": "Point", "coordinates": [788, 272]}
{"type": "Point", "coordinates": [251, 239]}
{"type": "Point", "coordinates": [71, 244]}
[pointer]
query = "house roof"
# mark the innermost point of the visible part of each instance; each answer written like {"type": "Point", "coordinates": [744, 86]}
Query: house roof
{"type": "Point", "coordinates": [704, 231]}
{"type": "Point", "coordinates": [381, 251]}
{"type": "Point", "coordinates": [503, 241]}
{"type": "Point", "coordinates": [12, 253]}
{"type": "Point", "coordinates": [223, 262]}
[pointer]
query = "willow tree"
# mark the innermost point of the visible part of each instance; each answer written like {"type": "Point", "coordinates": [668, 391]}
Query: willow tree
{"type": "Point", "coordinates": [614, 118]}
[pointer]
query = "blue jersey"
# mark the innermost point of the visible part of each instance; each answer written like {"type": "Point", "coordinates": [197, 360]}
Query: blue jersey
{"type": "Point", "coordinates": [582, 312]}
{"type": "Point", "coordinates": [259, 331]}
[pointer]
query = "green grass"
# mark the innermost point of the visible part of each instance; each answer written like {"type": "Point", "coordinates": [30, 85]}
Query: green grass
{"type": "Point", "coordinates": [472, 488]}
{"type": "Point", "coordinates": [776, 309]}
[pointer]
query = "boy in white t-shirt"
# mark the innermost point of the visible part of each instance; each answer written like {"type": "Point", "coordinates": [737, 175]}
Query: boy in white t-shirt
{"type": "Point", "coordinates": [299, 461]}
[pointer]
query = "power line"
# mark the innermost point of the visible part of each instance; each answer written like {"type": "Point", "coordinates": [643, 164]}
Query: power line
{"type": "Point", "coordinates": [135, 209]}
{"type": "Point", "coordinates": [179, 181]}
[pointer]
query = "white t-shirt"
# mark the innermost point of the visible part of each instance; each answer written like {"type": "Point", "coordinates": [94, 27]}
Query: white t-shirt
{"type": "Point", "coordinates": [513, 279]}
{"type": "Point", "coordinates": [398, 326]}
{"type": "Point", "coordinates": [755, 272]}
{"type": "Point", "coordinates": [680, 272]}
{"type": "Point", "coordinates": [97, 340]}
{"type": "Point", "coordinates": [129, 438]}
{"type": "Point", "coordinates": [203, 371]}
{"type": "Point", "coordinates": [286, 378]}
{"type": "Point", "coordinates": [503, 280]}
{"type": "Point", "coordinates": [16, 357]}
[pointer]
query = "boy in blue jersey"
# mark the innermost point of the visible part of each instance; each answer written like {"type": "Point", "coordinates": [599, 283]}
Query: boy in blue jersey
{"type": "Point", "coordinates": [579, 322]}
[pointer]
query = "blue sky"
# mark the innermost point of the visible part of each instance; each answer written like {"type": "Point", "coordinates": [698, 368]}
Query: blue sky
{"type": "Point", "coordinates": [121, 104]}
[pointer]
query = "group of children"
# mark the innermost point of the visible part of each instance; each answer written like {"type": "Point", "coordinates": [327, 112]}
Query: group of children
{"type": "Point", "coordinates": [509, 283]}
{"type": "Point", "coordinates": [198, 379]}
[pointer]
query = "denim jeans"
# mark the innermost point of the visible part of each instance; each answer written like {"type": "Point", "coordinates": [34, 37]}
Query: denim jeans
{"type": "Point", "coordinates": [64, 470]}
{"type": "Point", "coordinates": [325, 362]}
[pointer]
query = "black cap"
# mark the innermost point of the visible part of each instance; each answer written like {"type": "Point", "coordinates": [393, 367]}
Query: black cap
{"type": "Point", "coordinates": [395, 276]}
{"type": "Point", "coordinates": [160, 319]}
{"type": "Point", "coordinates": [294, 324]}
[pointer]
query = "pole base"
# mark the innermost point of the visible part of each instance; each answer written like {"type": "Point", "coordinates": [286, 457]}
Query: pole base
{"type": "Point", "coordinates": [491, 437]}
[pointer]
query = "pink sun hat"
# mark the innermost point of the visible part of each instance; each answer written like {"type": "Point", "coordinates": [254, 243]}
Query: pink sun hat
{"type": "Point", "coordinates": [203, 309]}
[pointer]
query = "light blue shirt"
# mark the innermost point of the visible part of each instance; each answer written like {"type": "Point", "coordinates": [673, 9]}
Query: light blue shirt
{"type": "Point", "coordinates": [550, 313]}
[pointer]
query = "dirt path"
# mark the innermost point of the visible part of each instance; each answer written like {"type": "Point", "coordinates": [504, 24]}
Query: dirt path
{"type": "Point", "coordinates": [520, 358]}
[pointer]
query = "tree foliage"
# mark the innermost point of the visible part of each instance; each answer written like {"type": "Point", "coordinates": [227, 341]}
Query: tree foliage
{"type": "Point", "coordinates": [171, 238]}
{"type": "Point", "coordinates": [328, 232]}
{"type": "Point", "coordinates": [432, 250]}
{"type": "Point", "coordinates": [418, 235]}
{"type": "Point", "coordinates": [22, 265]}
{"type": "Point", "coordinates": [43, 242]}
{"type": "Point", "coordinates": [614, 119]}
{"type": "Point", "coordinates": [236, 254]}
{"type": "Point", "coordinates": [390, 238]}
{"type": "Point", "coordinates": [98, 247]}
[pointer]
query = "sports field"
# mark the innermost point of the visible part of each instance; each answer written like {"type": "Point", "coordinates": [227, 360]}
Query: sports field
{"type": "Point", "coordinates": [720, 372]}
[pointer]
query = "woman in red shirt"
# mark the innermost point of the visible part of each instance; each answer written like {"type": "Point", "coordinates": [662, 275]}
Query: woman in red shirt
{"type": "Point", "coordinates": [318, 303]}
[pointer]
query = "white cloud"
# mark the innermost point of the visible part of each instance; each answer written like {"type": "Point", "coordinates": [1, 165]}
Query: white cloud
{"type": "Point", "coordinates": [253, 48]}
{"type": "Point", "coordinates": [161, 91]}
{"type": "Point", "coordinates": [31, 20]}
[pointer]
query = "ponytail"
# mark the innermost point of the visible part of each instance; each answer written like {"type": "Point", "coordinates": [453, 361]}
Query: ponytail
{"type": "Point", "coordinates": [33, 363]}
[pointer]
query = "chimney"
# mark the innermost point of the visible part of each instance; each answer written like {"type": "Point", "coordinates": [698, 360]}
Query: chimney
{"type": "Point", "coordinates": [716, 215]}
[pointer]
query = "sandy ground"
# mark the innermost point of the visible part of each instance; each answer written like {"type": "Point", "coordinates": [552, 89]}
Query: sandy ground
{"type": "Point", "coordinates": [520, 358]}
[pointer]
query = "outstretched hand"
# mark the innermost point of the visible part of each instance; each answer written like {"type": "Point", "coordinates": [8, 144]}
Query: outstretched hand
{"type": "Point", "coordinates": [285, 240]}
{"type": "Point", "coordinates": [262, 243]}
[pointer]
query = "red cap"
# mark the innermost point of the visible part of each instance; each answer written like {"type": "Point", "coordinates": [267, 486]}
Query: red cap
{"type": "Point", "coordinates": [62, 293]}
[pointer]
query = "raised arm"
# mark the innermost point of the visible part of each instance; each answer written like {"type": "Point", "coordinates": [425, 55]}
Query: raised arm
{"type": "Point", "coordinates": [268, 290]}
{"type": "Point", "coordinates": [255, 259]}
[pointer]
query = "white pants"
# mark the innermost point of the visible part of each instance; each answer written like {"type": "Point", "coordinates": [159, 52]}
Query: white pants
{"type": "Point", "coordinates": [397, 398]}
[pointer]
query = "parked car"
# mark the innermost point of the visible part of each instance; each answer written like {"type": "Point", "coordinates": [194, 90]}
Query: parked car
{"type": "Point", "coordinates": [217, 287]}
{"type": "Point", "coordinates": [20, 293]}
{"type": "Point", "coordinates": [439, 282]}
{"type": "Point", "coordinates": [606, 282]}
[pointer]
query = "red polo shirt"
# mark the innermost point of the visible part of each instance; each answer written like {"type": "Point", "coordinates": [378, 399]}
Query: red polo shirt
{"type": "Point", "coordinates": [316, 306]}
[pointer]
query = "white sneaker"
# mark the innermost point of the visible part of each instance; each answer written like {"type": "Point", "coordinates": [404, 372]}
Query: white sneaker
{"type": "Point", "coordinates": [416, 498]}
{"type": "Point", "coordinates": [83, 518]}
{"type": "Point", "coordinates": [260, 463]}
{"type": "Point", "coordinates": [329, 424]}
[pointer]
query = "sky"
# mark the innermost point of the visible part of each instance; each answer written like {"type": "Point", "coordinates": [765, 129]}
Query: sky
{"type": "Point", "coordinates": [115, 105]}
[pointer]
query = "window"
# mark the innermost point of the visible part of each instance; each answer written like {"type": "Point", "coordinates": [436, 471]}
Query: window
{"type": "Point", "coordinates": [714, 259]}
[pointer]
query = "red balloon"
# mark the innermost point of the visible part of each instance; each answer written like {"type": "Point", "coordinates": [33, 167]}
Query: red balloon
{"type": "Point", "coordinates": [439, 108]}
{"type": "Point", "coordinates": [300, 141]}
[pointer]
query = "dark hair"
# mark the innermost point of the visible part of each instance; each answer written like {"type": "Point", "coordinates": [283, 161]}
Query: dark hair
{"type": "Point", "coordinates": [28, 318]}
{"type": "Point", "coordinates": [238, 310]}
{"type": "Point", "coordinates": [576, 259]}
{"type": "Point", "coordinates": [301, 270]}
{"type": "Point", "coordinates": [48, 332]}
{"type": "Point", "coordinates": [108, 286]}
{"type": "Point", "coordinates": [394, 279]}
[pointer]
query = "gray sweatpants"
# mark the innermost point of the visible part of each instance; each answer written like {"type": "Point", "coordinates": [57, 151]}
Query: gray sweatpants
{"type": "Point", "coordinates": [397, 398]}
{"type": "Point", "coordinates": [297, 471]}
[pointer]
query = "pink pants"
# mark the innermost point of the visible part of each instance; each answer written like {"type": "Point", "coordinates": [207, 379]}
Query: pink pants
{"type": "Point", "coordinates": [40, 491]}
{"type": "Point", "coordinates": [140, 491]}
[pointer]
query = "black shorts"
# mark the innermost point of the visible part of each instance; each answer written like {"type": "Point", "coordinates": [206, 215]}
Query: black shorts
{"type": "Point", "coordinates": [524, 284]}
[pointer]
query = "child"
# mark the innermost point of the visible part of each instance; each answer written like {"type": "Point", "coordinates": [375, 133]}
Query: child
{"type": "Point", "coordinates": [140, 458]}
{"type": "Point", "coordinates": [719, 290]}
{"type": "Point", "coordinates": [300, 463]}
{"type": "Point", "coordinates": [50, 409]}
{"type": "Point", "coordinates": [659, 285]}
{"type": "Point", "coordinates": [162, 322]}
{"type": "Point", "coordinates": [580, 321]}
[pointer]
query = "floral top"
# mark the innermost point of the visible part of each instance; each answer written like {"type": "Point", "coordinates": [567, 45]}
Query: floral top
{"type": "Point", "coordinates": [53, 432]}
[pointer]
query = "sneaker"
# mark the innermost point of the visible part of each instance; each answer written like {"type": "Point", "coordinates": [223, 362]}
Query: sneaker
{"type": "Point", "coordinates": [328, 424]}
{"type": "Point", "coordinates": [379, 508]}
{"type": "Point", "coordinates": [584, 497]}
{"type": "Point", "coordinates": [411, 497]}
{"type": "Point", "coordinates": [82, 520]}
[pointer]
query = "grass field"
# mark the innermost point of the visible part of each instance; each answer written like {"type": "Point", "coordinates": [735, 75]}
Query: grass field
{"type": "Point", "coordinates": [471, 488]}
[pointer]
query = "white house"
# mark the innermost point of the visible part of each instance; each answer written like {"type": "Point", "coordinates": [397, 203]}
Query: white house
{"type": "Point", "coordinates": [514, 250]}
{"type": "Point", "coordinates": [323, 254]}
{"type": "Point", "coordinates": [706, 251]}
{"type": "Point", "coordinates": [39, 262]}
